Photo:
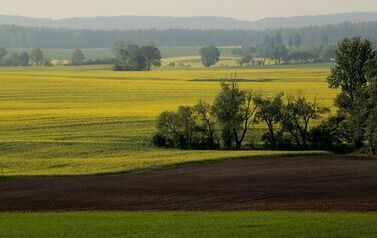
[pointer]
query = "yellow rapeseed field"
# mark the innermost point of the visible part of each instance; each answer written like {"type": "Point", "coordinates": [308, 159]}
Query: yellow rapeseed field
{"type": "Point", "coordinates": [85, 120]}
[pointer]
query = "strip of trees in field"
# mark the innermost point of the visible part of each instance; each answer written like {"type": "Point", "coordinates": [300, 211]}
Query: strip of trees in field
{"type": "Point", "coordinates": [131, 57]}
{"type": "Point", "coordinates": [35, 57]}
{"type": "Point", "coordinates": [230, 118]}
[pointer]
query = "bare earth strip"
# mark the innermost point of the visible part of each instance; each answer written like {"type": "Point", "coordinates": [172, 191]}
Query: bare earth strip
{"type": "Point", "coordinates": [322, 183]}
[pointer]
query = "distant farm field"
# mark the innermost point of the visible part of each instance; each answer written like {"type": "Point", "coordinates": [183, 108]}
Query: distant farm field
{"type": "Point", "coordinates": [89, 120]}
{"type": "Point", "coordinates": [212, 224]}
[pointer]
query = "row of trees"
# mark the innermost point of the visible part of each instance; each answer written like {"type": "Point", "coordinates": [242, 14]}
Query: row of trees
{"type": "Point", "coordinates": [35, 58]}
{"type": "Point", "coordinates": [256, 55]}
{"type": "Point", "coordinates": [250, 55]}
{"type": "Point", "coordinates": [29, 37]}
{"type": "Point", "coordinates": [134, 58]}
{"type": "Point", "coordinates": [227, 122]}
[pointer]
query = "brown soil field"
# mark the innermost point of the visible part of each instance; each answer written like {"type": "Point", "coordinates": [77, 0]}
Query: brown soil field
{"type": "Point", "coordinates": [322, 183]}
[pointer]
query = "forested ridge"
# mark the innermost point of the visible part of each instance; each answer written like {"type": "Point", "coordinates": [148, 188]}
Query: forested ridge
{"type": "Point", "coordinates": [12, 36]}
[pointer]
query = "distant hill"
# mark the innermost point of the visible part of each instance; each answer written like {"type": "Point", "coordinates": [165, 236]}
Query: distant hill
{"type": "Point", "coordinates": [192, 23]}
{"type": "Point", "coordinates": [318, 20]}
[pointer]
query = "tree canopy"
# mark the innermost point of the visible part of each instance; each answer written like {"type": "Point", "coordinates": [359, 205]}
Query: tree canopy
{"type": "Point", "coordinates": [209, 55]}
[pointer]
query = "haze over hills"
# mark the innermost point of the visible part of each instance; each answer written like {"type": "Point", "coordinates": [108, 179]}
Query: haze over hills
{"type": "Point", "coordinates": [193, 23]}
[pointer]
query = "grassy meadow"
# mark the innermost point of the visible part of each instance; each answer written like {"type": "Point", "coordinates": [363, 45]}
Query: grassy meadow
{"type": "Point", "coordinates": [204, 224]}
{"type": "Point", "coordinates": [91, 120]}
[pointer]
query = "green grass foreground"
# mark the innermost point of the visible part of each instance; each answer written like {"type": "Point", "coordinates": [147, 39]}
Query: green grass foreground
{"type": "Point", "coordinates": [214, 224]}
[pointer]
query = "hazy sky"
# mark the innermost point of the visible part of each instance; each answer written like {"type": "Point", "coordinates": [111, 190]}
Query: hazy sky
{"type": "Point", "coordinates": [242, 9]}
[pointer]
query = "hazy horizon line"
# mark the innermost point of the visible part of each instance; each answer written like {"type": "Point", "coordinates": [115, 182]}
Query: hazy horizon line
{"type": "Point", "coordinates": [171, 16]}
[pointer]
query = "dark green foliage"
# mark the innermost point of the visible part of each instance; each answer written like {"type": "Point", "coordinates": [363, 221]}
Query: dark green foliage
{"type": "Point", "coordinates": [244, 51]}
{"type": "Point", "coordinates": [159, 139]}
{"type": "Point", "coordinates": [23, 59]}
{"type": "Point", "coordinates": [134, 58]}
{"type": "Point", "coordinates": [371, 129]}
{"type": "Point", "coordinates": [188, 128]}
{"type": "Point", "coordinates": [37, 57]}
{"type": "Point", "coordinates": [371, 132]}
{"type": "Point", "coordinates": [78, 57]}
{"type": "Point", "coordinates": [297, 116]}
{"type": "Point", "coordinates": [270, 111]}
{"type": "Point", "coordinates": [206, 123]}
{"type": "Point", "coordinates": [353, 58]}
{"type": "Point", "coordinates": [234, 110]}
{"type": "Point", "coordinates": [245, 60]}
{"type": "Point", "coordinates": [152, 56]}
{"type": "Point", "coordinates": [196, 127]}
{"type": "Point", "coordinates": [209, 55]}
{"type": "Point", "coordinates": [13, 59]}
{"type": "Point", "coordinates": [329, 135]}
{"type": "Point", "coordinates": [354, 72]}
{"type": "Point", "coordinates": [279, 52]}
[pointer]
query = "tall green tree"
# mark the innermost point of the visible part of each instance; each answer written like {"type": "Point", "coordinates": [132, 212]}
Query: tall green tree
{"type": "Point", "coordinates": [152, 56]}
{"type": "Point", "coordinates": [78, 57]}
{"type": "Point", "coordinates": [234, 110]}
{"type": "Point", "coordinates": [270, 111]}
{"type": "Point", "coordinates": [37, 57]}
{"type": "Point", "coordinates": [355, 68]}
{"type": "Point", "coordinates": [209, 55]}
{"type": "Point", "coordinates": [206, 123]}
{"type": "Point", "coordinates": [297, 116]}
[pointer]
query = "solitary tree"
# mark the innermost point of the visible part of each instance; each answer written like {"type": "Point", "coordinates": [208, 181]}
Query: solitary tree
{"type": "Point", "coordinates": [209, 55]}
{"type": "Point", "coordinates": [152, 56]}
{"type": "Point", "coordinates": [37, 57]}
{"type": "Point", "coordinates": [78, 57]}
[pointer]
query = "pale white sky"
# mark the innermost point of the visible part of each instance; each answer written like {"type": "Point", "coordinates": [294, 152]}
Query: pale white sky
{"type": "Point", "coordinates": [241, 9]}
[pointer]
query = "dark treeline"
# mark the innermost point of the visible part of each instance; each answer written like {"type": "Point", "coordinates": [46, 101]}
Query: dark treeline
{"type": "Point", "coordinates": [232, 116]}
{"type": "Point", "coordinates": [29, 37]}
{"type": "Point", "coordinates": [227, 121]}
